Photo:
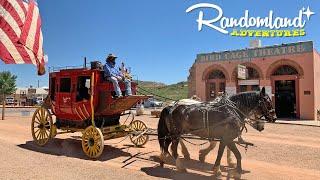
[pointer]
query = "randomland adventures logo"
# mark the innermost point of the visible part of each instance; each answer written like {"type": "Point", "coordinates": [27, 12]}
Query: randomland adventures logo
{"type": "Point", "coordinates": [250, 26]}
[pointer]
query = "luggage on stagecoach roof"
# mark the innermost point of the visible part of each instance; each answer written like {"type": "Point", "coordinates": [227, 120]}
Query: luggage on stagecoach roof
{"type": "Point", "coordinates": [96, 65]}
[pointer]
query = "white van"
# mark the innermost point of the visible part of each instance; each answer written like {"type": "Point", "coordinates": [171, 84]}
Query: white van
{"type": "Point", "coordinates": [9, 101]}
{"type": "Point", "coordinates": [39, 100]}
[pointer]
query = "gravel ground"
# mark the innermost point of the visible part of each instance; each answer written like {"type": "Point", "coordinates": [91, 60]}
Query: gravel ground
{"type": "Point", "coordinates": [281, 152]}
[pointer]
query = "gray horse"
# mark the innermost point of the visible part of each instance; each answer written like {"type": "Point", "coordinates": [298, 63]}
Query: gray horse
{"type": "Point", "coordinates": [224, 121]}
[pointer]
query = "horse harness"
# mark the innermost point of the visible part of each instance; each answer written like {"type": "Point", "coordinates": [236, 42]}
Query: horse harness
{"type": "Point", "coordinates": [205, 108]}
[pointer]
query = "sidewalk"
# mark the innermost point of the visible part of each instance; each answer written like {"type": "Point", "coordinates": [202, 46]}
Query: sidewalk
{"type": "Point", "coordinates": [299, 122]}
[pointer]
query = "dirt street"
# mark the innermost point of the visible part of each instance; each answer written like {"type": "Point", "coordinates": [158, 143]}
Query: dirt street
{"type": "Point", "coordinates": [280, 152]}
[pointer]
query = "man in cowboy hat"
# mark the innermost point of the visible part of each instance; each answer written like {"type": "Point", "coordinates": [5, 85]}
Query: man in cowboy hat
{"type": "Point", "coordinates": [112, 74]}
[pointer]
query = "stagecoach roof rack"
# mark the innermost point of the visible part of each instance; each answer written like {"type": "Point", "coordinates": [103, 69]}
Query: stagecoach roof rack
{"type": "Point", "coordinates": [59, 68]}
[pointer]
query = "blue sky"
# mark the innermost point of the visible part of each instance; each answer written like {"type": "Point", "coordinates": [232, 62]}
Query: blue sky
{"type": "Point", "coordinates": [157, 39]}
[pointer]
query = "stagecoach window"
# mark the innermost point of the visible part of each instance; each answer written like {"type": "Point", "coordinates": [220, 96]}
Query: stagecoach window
{"type": "Point", "coordinates": [65, 85]}
{"type": "Point", "coordinates": [217, 74]}
{"type": "Point", "coordinates": [83, 87]}
{"type": "Point", "coordinates": [285, 70]}
{"type": "Point", "coordinates": [52, 88]}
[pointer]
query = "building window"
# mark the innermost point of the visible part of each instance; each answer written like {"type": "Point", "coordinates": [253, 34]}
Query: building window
{"type": "Point", "coordinates": [217, 74]}
{"type": "Point", "coordinates": [65, 85]}
{"type": "Point", "coordinates": [252, 73]}
{"type": "Point", "coordinates": [285, 70]}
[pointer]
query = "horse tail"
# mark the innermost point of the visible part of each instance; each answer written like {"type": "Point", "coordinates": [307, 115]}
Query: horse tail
{"type": "Point", "coordinates": [163, 131]}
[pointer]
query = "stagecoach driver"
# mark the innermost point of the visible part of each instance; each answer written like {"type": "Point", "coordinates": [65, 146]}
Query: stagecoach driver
{"type": "Point", "coordinates": [112, 74]}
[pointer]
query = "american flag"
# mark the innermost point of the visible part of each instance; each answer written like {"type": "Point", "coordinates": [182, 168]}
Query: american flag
{"type": "Point", "coordinates": [21, 37]}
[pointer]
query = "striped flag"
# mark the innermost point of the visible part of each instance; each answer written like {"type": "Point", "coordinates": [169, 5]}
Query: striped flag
{"type": "Point", "coordinates": [21, 38]}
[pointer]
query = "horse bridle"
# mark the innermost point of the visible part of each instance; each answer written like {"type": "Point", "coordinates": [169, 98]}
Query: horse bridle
{"type": "Point", "coordinates": [265, 110]}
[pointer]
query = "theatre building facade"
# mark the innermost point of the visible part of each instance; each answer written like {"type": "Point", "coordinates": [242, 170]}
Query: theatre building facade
{"type": "Point", "coordinates": [289, 72]}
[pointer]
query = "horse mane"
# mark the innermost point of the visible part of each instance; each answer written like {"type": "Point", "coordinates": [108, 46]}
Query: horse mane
{"type": "Point", "coordinates": [246, 101]}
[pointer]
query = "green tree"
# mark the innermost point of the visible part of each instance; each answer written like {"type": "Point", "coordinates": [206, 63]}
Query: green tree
{"type": "Point", "coordinates": [7, 87]}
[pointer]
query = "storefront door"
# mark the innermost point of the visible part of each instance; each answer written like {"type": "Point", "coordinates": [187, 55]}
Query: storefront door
{"type": "Point", "coordinates": [285, 98]}
{"type": "Point", "coordinates": [215, 87]}
{"type": "Point", "coordinates": [286, 102]}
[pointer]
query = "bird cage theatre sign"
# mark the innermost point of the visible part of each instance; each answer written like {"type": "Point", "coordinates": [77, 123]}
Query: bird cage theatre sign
{"type": "Point", "coordinates": [248, 54]}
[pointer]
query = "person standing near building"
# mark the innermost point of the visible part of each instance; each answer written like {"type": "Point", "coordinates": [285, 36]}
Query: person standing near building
{"type": "Point", "coordinates": [112, 74]}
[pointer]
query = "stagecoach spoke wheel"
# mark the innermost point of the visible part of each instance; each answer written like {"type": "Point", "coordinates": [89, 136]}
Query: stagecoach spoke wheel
{"type": "Point", "coordinates": [92, 142]}
{"type": "Point", "coordinates": [138, 137]}
{"type": "Point", "coordinates": [41, 126]}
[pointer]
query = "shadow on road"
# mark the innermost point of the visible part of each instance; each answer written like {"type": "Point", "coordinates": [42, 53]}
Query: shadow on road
{"type": "Point", "coordinates": [191, 164]}
{"type": "Point", "coordinates": [72, 148]}
{"type": "Point", "coordinates": [160, 172]}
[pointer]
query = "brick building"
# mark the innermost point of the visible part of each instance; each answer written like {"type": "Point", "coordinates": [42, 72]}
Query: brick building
{"type": "Point", "coordinates": [289, 72]}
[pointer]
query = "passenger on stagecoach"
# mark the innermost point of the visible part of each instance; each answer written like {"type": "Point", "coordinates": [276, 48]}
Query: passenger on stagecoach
{"type": "Point", "coordinates": [112, 74]}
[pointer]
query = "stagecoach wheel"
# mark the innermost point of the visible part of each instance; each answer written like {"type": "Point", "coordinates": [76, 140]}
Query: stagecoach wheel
{"type": "Point", "coordinates": [136, 137]}
{"type": "Point", "coordinates": [92, 142]}
{"type": "Point", "coordinates": [41, 126]}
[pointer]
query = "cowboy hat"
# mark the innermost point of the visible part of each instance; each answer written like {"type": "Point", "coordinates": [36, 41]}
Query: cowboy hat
{"type": "Point", "coordinates": [111, 57]}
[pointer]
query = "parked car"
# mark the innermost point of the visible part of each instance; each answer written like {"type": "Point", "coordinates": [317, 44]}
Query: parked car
{"type": "Point", "coordinates": [152, 103]}
{"type": "Point", "coordinates": [39, 100]}
{"type": "Point", "coordinates": [9, 101]}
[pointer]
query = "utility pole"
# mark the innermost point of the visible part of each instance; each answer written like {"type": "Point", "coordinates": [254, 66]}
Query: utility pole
{"type": "Point", "coordinates": [38, 83]}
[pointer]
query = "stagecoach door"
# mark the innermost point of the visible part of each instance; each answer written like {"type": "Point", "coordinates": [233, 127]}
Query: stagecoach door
{"type": "Point", "coordinates": [65, 97]}
{"type": "Point", "coordinates": [81, 106]}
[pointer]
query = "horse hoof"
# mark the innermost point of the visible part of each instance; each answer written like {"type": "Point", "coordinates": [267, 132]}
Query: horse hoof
{"type": "Point", "coordinates": [237, 175]}
{"type": "Point", "coordinates": [180, 166]}
{"type": "Point", "coordinates": [182, 170]}
{"type": "Point", "coordinates": [217, 171]}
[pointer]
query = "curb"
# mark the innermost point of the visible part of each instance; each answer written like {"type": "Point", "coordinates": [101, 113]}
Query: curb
{"type": "Point", "coordinates": [298, 124]}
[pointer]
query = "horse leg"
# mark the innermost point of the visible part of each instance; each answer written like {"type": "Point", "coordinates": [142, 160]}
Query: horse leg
{"type": "Point", "coordinates": [165, 152]}
{"type": "Point", "coordinates": [204, 152]}
{"type": "Point", "coordinates": [230, 159]}
{"type": "Point", "coordinates": [216, 167]}
{"type": "Point", "coordinates": [174, 149]}
{"type": "Point", "coordinates": [184, 150]}
{"type": "Point", "coordinates": [236, 152]}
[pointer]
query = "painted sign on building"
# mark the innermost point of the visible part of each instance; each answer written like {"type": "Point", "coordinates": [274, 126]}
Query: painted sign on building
{"type": "Point", "coordinates": [242, 71]}
{"type": "Point", "coordinates": [248, 54]}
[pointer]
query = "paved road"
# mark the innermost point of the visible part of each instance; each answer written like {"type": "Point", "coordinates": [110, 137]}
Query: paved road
{"type": "Point", "coordinates": [281, 152]}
